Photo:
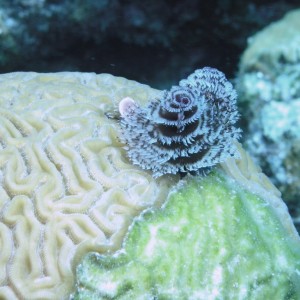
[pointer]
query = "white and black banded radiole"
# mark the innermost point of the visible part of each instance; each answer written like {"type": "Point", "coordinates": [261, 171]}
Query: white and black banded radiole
{"type": "Point", "coordinates": [189, 130]}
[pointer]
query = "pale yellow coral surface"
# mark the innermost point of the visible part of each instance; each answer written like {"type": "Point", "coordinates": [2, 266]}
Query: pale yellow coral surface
{"type": "Point", "coordinates": [67, 187]}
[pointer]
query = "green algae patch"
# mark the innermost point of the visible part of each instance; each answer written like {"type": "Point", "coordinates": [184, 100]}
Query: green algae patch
{"type": "Point", "coordinates": [210, 240]}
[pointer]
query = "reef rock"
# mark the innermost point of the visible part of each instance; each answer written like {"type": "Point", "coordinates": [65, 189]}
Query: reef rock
{"type": "Point", "coordinates": [269, 88]}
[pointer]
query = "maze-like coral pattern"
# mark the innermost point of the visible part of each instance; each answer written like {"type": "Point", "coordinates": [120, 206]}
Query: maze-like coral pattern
{"type": "Point", "coordinates": [67, 187]}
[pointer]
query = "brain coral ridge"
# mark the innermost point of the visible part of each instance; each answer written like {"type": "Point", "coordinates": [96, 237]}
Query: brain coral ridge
{"type": "Point", "coordinates": [66, 185]}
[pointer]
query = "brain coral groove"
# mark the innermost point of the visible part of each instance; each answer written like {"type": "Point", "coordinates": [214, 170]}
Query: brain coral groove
{"type": "Point", "coordinates": [66, 185]}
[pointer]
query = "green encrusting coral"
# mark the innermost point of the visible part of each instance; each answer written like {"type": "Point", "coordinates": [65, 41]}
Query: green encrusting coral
{"type": "Point", "coordinates": [211, 240]}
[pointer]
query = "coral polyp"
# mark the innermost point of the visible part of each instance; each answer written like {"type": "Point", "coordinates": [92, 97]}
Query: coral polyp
{"type": "Point", "coordinates": [188, 130]}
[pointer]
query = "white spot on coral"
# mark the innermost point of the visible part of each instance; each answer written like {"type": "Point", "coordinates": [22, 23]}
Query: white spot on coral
{"type": "Point", "coordinates": [153, 241]}
{"type": "Point", "coordinates": [243, 292]}
{"type": "Point", "coordinates": [109, 287]}
{"type": "Point", "coordinates": [223, 251]}
{"type": "Point", "coordinates": [282, 262]}
{"type": "Point", "coordinates": [233, 264]}
{"type": "Point", "coordinates": [217, 275]}
{"type": "Point", "coordinates": [178, 227]}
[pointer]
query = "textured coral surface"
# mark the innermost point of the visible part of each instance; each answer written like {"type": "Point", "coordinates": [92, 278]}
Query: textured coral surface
{"type": "Point", "coordinates": [66, 185]}
{"type": "Point", "coordinates": [275, 45]}
{"type": "Point", "coordinates": [212, 240]}
{"type": "Point", "coordinates": [269, 89]}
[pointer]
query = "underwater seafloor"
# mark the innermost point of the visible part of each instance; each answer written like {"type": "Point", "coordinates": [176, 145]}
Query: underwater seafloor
{"type": "Point", "coordinates": [69, 195]}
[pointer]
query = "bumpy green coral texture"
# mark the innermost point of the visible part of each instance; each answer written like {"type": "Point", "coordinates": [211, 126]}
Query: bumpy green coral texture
{"type": "Point", "coordinates": [211, 240]}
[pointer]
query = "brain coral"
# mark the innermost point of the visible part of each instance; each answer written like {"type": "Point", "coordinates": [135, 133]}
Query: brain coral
{"type": "Point", "coordinates": [66, 186]}
{"type": "Point", "coordinates": [213, 239]}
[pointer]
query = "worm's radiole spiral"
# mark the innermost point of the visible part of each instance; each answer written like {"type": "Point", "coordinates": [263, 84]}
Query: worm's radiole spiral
{"type": "Point", "coordinates": [189, 130]}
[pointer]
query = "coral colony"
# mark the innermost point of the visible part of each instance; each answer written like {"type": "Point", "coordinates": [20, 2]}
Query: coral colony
{"type": "Point", "coordinates": [189, 130]}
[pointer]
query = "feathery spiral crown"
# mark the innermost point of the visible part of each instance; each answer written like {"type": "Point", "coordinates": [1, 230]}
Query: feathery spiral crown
{"type": "Point", "coordinates": [189, 130]}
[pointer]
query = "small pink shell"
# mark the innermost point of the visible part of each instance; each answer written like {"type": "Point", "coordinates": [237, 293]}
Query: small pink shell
{"type": "Point", "coordinates": [126, 105]}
